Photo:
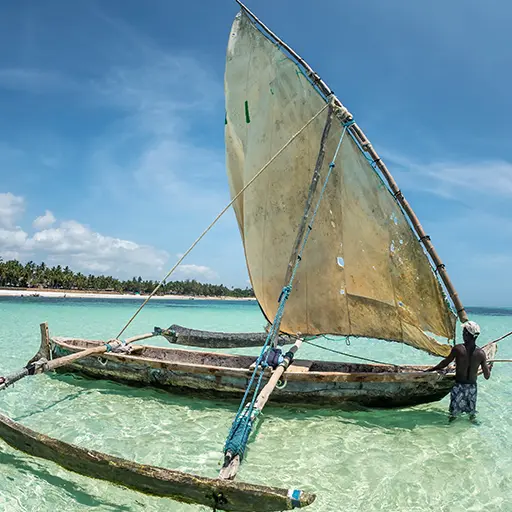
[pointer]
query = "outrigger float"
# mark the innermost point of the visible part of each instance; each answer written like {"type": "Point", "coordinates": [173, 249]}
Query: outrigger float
{"type": "Point", "coordinates": [332, 247]}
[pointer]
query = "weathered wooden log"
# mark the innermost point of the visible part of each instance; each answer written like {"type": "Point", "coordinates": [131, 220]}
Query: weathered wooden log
{"type": "Point", "coordinates": [188, 488]}
{"type": "Point", "coordinates": [196, 338]}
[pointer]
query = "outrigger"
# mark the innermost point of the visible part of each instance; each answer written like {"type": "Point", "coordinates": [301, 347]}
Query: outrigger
{"type": "Point", "coordinates": [305, 382]}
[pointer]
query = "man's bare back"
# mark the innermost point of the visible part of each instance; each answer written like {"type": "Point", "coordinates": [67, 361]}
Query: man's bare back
{"type": "Point", "coordinates": [467, 366]}
{"type": "Point", "coordinates": [463, 373]}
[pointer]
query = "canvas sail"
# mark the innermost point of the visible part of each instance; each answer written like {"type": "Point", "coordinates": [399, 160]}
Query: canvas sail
{"type": "Point", "coordinates": [363, 272]}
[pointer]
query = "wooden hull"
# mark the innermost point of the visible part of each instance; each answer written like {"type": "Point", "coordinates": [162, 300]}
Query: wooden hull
{"type": "Point", "coordinates": [306, 382]}
{"type": "Point", "coordinates": [215, 493]}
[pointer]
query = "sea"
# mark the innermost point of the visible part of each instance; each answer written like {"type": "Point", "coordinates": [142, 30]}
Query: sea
{"type": "Point", "coordinates": [354, 459]}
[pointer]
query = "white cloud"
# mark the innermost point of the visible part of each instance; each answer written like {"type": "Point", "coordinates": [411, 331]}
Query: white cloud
{"type": "Point", "coordinates": [182, 173]}
{"type": "Point", "coordinates": [161, 91]}
{"type": "Point", "coordinates": [78, 246]}
{"type": "Point", "coordinates": [453, 179]}
{"type": "Point", "coordinates": [10, 255]}
{"type": "Point", "coordinates": [12, 238]}
{"type": "Point", "coordinates": [11, 208]}
{"type": "Point", "coordinates": [497, 261]}
{"type": "Point", "coordinates": [44, 221]}
{"type": "Point", "coordinates": [199, 272]}
{"type": "Point", "coordinates": [74, 244]}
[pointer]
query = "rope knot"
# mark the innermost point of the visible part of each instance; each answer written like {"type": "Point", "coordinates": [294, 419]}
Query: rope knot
{"type": "Point", "coordinates": [285, 293]}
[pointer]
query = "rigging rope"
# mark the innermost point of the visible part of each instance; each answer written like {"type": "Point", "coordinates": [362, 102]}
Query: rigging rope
{"type": "Point", "coordinates": [350, 355]}
{"type": "Point", "coordinates": [392, 364]}
{"type": "Point", "coordinates": [241, 427]}
{"type": "Point", "coordinates": [500, 338]}
{"type": "Point", "coordinates": [225, 209]}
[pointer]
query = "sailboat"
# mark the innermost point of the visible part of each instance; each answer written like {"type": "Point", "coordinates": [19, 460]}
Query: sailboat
{"type": "Point", "coordinates": [332, 247]}
{"type": "Point", "coordinates": [368, 269]}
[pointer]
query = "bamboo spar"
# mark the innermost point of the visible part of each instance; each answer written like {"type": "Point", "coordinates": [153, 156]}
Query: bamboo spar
{"type": "Point", "coordinates": [359, 135]}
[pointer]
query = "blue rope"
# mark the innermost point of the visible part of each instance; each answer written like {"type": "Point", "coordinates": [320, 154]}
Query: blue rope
{"type": "Point", "coordinates": [242, 425]}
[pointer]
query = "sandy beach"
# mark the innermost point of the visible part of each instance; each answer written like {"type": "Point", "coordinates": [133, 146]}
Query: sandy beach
{"type": "Point", "coordinates": [76, 294]}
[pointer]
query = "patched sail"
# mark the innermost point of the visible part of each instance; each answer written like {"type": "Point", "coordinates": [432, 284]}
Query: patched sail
{"type": "Point", "coordinates": [363, 272]}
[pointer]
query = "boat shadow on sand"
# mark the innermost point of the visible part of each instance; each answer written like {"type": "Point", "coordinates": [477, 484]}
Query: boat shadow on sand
{"type": "Point", "coordinates": [53, 404]}
{"type": "Point", "coordinates": [350, 413]}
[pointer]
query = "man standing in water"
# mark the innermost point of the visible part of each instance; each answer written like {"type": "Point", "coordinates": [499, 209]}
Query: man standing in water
{"type": "Point", "coordinates": [468, 359]}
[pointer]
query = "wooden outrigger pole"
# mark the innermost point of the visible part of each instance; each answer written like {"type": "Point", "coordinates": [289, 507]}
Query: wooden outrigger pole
{"type": "Point", "coordinates": [233, 461]}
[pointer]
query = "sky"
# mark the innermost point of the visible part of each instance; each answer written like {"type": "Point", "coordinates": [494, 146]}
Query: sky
{"type": "Point", "coordinates": [112, 127]}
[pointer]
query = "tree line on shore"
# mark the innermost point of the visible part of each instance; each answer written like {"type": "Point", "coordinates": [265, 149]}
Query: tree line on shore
{"type": "Point", "coordinates": [14, 274]}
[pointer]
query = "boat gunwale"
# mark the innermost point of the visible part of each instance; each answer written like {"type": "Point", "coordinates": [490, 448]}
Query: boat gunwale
{"type": "Point", "coordinates": [309, 376]}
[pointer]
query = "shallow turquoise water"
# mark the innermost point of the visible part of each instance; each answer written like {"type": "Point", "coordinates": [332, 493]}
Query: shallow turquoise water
{"type": "Point", "coordinates": [394, 460]}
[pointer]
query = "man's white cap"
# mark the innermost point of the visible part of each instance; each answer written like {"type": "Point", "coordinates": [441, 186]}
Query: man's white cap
{"type": "Point", "coordinates": [472, 327]}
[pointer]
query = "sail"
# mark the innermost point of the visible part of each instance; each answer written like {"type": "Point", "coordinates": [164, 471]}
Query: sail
{"type": "Point", "coordinates": [363, 271]}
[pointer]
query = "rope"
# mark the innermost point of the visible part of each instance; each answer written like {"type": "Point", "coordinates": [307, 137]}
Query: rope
{"type": "Point", "coordinates": [30, 369]}
{"type": "Point", "coordinates": [397, 365]}
{"type": "Point", "coordinates": [500, 338]}
{"type": "Point", "coordinates": [241, 427]}
{"type": "Point", "coordinates": [251, 181]}
{"type": "Point", "coordinates": [350, 355]}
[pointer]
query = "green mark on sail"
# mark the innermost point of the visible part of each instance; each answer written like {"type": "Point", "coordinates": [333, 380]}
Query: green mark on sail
{"type": "Point", "coordinates": [247, 117]}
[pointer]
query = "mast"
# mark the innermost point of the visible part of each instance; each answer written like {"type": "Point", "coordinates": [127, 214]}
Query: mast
{"type": "Point", "coordinates": [366, 146]}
